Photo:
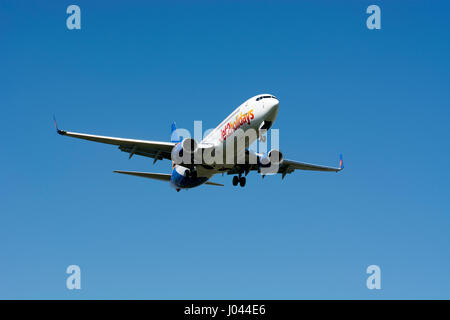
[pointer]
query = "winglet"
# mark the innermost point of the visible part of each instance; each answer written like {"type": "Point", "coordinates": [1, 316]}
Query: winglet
{"type": "Point", "coordinates": [341, 162]}
{"type": "Point", "coordinates": [61, 132]}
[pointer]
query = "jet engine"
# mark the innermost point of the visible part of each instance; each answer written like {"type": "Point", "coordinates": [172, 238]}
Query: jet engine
{"type": "Point", "coordinates": [183, 153]}
{"type": "Point", "coordinates": [272, 158]}
{"type": "Point", "coordinates": [270, 162]}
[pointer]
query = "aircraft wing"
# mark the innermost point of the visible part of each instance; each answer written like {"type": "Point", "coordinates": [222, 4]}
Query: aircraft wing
{"type": "Point", "coordinates": [295, 165]}
{"type": "Point", "coordinates": [286, 166]}
{"type": "Point", "coordinates": [153, 149]}
{"type": "Point", "coordinates": [289, 166]}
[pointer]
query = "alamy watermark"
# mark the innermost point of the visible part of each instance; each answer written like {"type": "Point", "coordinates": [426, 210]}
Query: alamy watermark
{"type": "Point", "coordinates": [234, 146]}
{"type": "Point", "coordinates": [73, 281]}
{"type": "Point", "coordinates": [374, 280]}
{"type": "Point", "coordinates": [374, 20]}
{"type": "Point", "coordinates": [74, 20]}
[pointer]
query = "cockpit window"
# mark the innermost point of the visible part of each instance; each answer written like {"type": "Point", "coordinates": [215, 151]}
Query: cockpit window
{"type": "Point", "coordinates": [264, 97]}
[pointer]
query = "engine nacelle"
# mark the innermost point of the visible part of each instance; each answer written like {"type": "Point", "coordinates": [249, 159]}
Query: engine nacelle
{"type": "Point", "coordinates": [270, 162]}
{"type": "Point", "coordinates": [272, 158]}
{"type": "Point", "coordinates": [189, 147]}
{"type": "Point", "coordinates": [184, 152]}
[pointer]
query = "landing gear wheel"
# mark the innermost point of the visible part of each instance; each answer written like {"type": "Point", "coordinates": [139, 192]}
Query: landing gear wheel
{"type": "Point", "coordinates": [242, 181]}
{"type": "Point", "coordinates": [235, 181]}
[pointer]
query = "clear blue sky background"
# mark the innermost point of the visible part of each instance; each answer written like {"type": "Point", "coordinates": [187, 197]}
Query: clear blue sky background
{"type": "Point", "coordinates": [379, 97]}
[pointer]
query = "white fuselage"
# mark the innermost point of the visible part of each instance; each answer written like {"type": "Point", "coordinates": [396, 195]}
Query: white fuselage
{"type": "Point", "coordinates": [258, 111]}
{"type": "Point", "coordinates": [250, 114]}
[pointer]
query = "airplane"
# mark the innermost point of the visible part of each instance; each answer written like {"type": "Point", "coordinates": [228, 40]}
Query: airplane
{"type": "Point", "coordinates": [256, 114]}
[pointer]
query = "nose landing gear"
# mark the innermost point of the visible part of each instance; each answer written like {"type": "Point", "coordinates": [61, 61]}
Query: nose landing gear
{"type": "Point", "coordinates": [239, 180]}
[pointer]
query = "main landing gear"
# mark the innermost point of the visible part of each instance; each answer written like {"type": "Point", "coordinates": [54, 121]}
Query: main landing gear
{"type": "Point", "coordinates": [240, 180]}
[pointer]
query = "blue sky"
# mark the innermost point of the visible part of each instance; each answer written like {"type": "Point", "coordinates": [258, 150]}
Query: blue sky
{"type": "Point", "coordinates": [379, 97]}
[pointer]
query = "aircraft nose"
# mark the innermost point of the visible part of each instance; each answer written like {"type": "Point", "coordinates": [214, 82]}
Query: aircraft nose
{"type": "Point", "coordinates": [275, 105]}
{"type": "Point", "coordinates": [272, 111]}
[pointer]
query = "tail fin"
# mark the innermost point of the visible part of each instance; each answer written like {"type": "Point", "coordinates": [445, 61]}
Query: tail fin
{"type": "Point", "coordinates": [341, 162]}
{"type": "Point", "coordinates": [174, 137]}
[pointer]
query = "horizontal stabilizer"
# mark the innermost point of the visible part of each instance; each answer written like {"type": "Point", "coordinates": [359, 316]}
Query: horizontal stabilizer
{"type": "Point", "coordinates": [214, 184]}
{"type": "Point", "coordinates": [156, 176]}
{"type": "Point", "coordinates": [159, 176]}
